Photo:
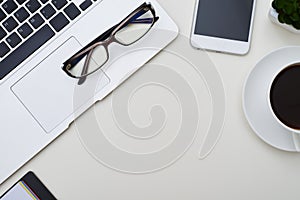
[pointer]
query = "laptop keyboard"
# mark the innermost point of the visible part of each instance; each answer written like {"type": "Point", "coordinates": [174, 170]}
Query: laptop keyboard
{"type": "Point", "coordinates": [26, 25]}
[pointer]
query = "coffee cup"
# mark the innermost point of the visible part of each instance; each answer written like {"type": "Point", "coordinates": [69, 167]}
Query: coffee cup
{"type": "Point", "coordinates": [284, 99]}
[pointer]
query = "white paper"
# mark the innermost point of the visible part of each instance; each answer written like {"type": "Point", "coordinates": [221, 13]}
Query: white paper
{"type": "Point", "coordinates": [17, 193]}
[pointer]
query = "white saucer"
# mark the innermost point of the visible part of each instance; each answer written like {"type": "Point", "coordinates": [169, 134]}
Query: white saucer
{"type": "Point", "coordinates": [255, 100]}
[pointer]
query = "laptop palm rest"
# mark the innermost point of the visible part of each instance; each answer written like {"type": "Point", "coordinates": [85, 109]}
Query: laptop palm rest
{"type": "Point", "coordinates": [50, 105]}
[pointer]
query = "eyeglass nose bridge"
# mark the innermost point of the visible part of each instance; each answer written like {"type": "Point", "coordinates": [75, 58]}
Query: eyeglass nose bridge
{"type": "Point", "coordinates": [108, 41]}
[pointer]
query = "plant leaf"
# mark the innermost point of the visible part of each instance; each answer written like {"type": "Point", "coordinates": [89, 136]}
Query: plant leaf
{"type": "Point", "coordinates": [288, 20]}
{"type": "Point", "coordinates": [288, 9]}
{"type": "Point", "coordinates": [274, 5]}
{"type": "Point", "coordinates": [280, 4]}
{"type": "Point", "coordinates": [281, 18]}
{"type": "Point", "coordinates": [295, 16]}
{"type": "Point", "coordinates": [296, 25]}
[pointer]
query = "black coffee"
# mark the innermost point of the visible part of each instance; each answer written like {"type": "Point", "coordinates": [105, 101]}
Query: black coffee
{"type": "Point", "coordinates": [285, 96]}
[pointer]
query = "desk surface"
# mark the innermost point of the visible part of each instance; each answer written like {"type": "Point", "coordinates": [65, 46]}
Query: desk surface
{"type": "Point", "coordinates": [240, 167]}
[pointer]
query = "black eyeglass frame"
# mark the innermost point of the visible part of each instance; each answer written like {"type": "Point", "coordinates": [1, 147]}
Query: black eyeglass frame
{"type": "Point", "coordinates": [105, 40]}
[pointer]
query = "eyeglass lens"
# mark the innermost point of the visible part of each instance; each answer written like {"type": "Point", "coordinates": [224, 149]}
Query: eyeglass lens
{"type": "Point", "coordinates": [136, 28]}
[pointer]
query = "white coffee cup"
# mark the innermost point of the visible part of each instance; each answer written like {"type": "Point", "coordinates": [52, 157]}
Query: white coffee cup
{"type": "Point", "coordinates": [295, 132]}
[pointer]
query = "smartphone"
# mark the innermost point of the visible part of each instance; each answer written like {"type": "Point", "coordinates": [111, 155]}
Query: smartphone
{"type": "Point", "coordinates": [223, 25]}
{"type": "Point", "coordinates": [29, 187]}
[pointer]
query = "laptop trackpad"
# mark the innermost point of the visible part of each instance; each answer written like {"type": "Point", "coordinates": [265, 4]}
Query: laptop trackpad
{"type": "Point", "coordinates": [48, 93]}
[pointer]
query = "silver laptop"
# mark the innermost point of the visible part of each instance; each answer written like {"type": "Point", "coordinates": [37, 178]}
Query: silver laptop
{"type": "Point", "coordinates": [38, 100]}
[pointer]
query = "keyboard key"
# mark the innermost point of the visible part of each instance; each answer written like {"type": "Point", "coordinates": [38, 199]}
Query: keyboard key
{"type": "Point", "coordinates": [9, 6]}
{"type": "Point", "coordinates": [21, 14]}
{"type": "Point", "coordinates": [13, 40]}
{"type": "Point", "coordinates": [10, 24]}
{"type": "Point", "coordinates": [59, 3]}
{"type": "Point", "coordinates": [59, 22]}
{"type": "Point", "coordinates": [20, 2]}
{"type": "Point", "coordinates": [2, 33]}
{"type": "Point", "coordinates": [2, 15]}
{"type": "Point", "coordinates": [33, 5]}
{"type": "Point", "coordinates": [48, 11]}
{"type": "Point", "coordinates": [44, 1]}
{"type": "Point", "coordinates": [72, 11]}
{"type": "Point", "coordinates": [27, 48]}
{"type": "Point", "coordinates": [4, 49]}
{"type": "Point", "coordinates": [36, 21]}
{"type": "Point", "coordinates": [25, 30]}
{"type": "Point", "coordinates": [84, 5]}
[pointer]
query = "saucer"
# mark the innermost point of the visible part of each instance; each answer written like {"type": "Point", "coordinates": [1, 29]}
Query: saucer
{"type": "Point", "coordinates": [255, 99]}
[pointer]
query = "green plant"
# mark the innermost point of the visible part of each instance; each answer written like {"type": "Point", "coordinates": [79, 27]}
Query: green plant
{"type": "Point", "coordinates": [289, 12]}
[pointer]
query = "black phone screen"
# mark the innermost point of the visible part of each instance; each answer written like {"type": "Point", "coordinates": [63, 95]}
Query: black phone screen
{"type": "Point", "coordinates": [28, 187]}
{"type": "Point", "coordinates": [228, 19]}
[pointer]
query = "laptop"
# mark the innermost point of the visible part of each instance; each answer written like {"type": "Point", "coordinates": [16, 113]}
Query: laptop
{"type": "Point", "coordinates": [38, 100]}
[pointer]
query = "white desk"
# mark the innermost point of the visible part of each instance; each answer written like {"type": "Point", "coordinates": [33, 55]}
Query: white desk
{"type": "Point", "coordinates": [240, 167]}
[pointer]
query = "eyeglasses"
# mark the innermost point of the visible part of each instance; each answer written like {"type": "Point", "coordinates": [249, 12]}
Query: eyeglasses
{"type": "Point", "coordinates": [92, 57]}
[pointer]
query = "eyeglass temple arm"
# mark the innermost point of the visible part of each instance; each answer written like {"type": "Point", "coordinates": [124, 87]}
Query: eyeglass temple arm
{"type": "Point", "coordinates": [135, 19]}
{"type": "Point", "coordinates": [85, 68]}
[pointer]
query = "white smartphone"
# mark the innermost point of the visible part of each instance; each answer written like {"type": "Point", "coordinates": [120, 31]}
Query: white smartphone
{"type": "Point", "coordinates": [223, 25]}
